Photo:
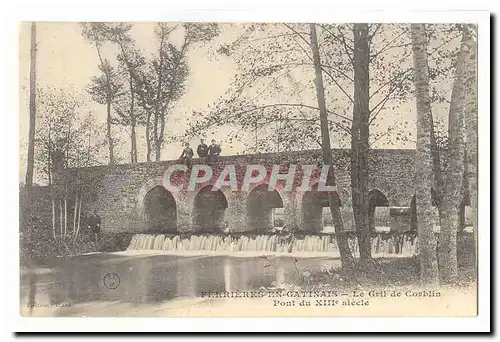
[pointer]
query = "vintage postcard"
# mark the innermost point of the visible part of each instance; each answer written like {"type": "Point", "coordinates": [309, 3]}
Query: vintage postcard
{"type": "Point", "coordinates": [248, 169]}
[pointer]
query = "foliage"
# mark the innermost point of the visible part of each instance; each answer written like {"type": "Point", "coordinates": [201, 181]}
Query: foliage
{"type": "Point", "coordinates": [274, 61]}
{"type": "Point", "coordinates": [104, 88]}
{"type": "Point", "coordinates": [368, 76]}
{"type": "Point", "coordinates": [107, 86]}
{"type": "Point", "coordinates": [115, 242]}
{"type": "Point", "coordinates": [154, 82]}
{"type": "Point", "coordinates": [64, 127]}
{"type": "Point", "coordinates": [130, 61]}
{"type": "Point", "coordinates": [37, 241]}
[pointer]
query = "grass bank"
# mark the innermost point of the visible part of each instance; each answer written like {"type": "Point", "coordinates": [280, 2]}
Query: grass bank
{"type": "Point", "coordinates": [383, 273]}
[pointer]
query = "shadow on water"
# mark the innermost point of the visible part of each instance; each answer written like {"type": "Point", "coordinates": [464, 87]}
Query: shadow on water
{"type": "Point", "coordinates": [150, 279]}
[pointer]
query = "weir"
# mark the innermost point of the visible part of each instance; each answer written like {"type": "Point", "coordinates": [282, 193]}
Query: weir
{"type": "Point", "coordinates": [382, 245]}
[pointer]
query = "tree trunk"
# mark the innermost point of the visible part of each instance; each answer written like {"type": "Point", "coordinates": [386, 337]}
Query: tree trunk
{"type": "Point", "coordinates": [31, 134]}
{"type": "Point", "coordinates": [53, 217]}
{"type": "Point", "coordinates": [30, 165]}
{"type": "Point", "coordinates": [133, 151]}
{"type": "Point", "coordinates": [470, 118]}
{"type": "Point", "coordinates": [65, 215]}
{"type": "Point", "coordinates": [108, 133]}
{"type": "Point", "coordinates": [155, 134]}
{"type": "Point", "coordinates": [132, 121]}
{"type": "Point", "coordinates": [49, 157]}
{"type": "Point", "coordinates": [60, 219]}
{"type": "Point", "coordinates": [462, 88]}
{"type": "Point", "coordinates": [343, 244]}
{"type": "Point", "coordinates": [360, 139]}
{"type": "Point", "coordinates": [157, 142]}
{"type": "Point", "coordinates": [78, 226]}
{"type": "Point", "coordinates": [75, 213]}
{"type": "Point", "coordinates": [158, 150]}
{"type": "Point", "coordinates": [128, 64]}
{"type": "Point", "coordinates": [148, 137]}
{"type": "Point", "coordinates": [108, 107]}
{"type": "Point", "coordinates": [162, 108]}
{"type": "Point", "coordinates": [423, 159]}
{"type": "Point", "coordinates": [162, 134]}
{"type": "Point", "coordinates": [436, 165]}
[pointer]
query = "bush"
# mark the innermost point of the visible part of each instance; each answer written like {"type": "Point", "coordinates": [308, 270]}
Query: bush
{"type": "Point", "coordinates": [115, 242]}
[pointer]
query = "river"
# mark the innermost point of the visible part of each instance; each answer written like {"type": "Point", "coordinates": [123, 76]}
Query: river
{"type": "Point", "coordinates": [79, 285]}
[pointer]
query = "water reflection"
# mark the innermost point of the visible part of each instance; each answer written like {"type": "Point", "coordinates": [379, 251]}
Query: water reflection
{"type": "Point", "coordinates": [149, 279]}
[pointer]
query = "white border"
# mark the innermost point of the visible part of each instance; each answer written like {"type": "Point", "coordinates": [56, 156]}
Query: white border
{"type": "Point", "coordinates": [252, 11]}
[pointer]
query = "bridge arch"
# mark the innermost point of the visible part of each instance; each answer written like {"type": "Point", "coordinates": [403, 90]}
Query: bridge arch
{"type": "Point", "coordinates": [378, 217]}
{"type": "Point", "coordinates": [160, 210]}
{"type": "Point", "coordinates": [261, 204]}
{"type": "Point", "coordinates": [209, 210]}
{"type": "Point", "coordinates": [312, 204]}
{"type": "Point", "coordinates": [167, 207]}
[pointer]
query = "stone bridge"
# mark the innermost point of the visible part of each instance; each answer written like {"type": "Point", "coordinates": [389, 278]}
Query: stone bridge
{"type": "Point", "coordinates": [142, 198]}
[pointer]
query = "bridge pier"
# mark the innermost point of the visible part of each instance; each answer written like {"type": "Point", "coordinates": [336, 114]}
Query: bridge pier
{"type": "Point", "coordinates": [260, 203]}
{"type": "Point", "coordinates": [183, 214]}
{"type": "Point", "coordinates": [236, 213]}
{"type": "Point", "coordinates": [290, 211]}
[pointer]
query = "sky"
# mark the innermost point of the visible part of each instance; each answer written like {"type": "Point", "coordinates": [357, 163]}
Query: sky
{"type": "Point", "coordinates": [66, 60]}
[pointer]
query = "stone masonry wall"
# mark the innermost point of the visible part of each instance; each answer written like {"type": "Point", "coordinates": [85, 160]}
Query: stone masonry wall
{"type": "Point", "coordinates": [116, 192]}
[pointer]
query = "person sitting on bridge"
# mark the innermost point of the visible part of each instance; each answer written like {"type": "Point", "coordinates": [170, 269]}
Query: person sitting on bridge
{"type": "Point", "coordinates": [187, 155]}
{"type": "Point", "coordinates": [202, 150]}
{"type": "Point", "coordinates": [213, 151]}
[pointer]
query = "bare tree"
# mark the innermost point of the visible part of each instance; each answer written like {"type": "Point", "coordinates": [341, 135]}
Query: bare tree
{"type": "Point", "coordinates": [423, 159]}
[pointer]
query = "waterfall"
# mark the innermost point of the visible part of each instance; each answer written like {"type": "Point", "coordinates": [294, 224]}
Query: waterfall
{"type": "Point", "coordinates": [266, 243]}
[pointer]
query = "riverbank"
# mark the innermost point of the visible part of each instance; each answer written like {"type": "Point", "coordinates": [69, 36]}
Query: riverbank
{"type": "Point", "coordinates": [381, 272]}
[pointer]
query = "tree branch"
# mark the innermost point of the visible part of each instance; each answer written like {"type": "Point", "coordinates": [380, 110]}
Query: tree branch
{"type": "Point", "coordinates": [382, 103]}
{"type": "Point", "coordinates": [292, 105]}
{"type": "Point", "coordinates": [378, 138]}
{"type": "Point", "coordinates": [298, 34]}
{"type": "Point", "coordinates": [391, 80]}
{"type": "Point", "coordinates": [378, 26]}
{"type": "Point", "coordinates": [338, 85]}
{"type": "Point", "coordinates": [348, 49]}
{"type": "Point", "coordinates": [339, 71]}
{"type": "Point", "coordinates": [388, 46]}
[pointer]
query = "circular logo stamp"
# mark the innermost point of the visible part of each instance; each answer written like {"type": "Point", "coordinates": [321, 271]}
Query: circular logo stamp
{"type": "Point", "coordinates": [111, 281]}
